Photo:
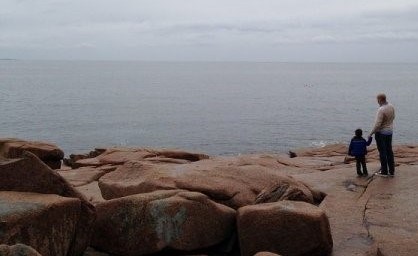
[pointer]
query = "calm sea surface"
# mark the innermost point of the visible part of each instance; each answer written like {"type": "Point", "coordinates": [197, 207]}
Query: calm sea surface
{"type": "Point", "coordinates": [217, 108]}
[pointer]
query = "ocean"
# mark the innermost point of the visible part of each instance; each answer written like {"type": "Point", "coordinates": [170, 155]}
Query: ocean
{"type": "Point", "coordinates": [219, 108]}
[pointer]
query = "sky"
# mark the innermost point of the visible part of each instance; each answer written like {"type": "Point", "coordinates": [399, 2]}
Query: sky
{"type": "Point", "coordinates": [211, 30]}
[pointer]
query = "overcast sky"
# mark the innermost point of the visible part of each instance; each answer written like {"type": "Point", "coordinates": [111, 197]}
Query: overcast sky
{"type": "Point", "coordinates": [214, 30]}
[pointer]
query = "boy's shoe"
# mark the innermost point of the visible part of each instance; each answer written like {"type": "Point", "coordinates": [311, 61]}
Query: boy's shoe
{"type": "Point", "coordinates": [391, 175]}
{"type": "Point", "coordinates": [365, 174]}
{"type": "Point", "coordinates": [381, 174]}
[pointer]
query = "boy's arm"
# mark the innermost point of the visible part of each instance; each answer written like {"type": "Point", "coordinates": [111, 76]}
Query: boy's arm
{"type": "Point", "coordinates": [350, 147]}
{"type": "Point", "coordinates": [369, 141]}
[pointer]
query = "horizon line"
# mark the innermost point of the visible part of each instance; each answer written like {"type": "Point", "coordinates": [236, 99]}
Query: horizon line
{"type": "Point", "coordinates": [217, 61]}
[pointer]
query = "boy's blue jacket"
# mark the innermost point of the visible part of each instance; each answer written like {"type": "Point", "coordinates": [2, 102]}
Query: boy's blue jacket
{"type": "Point", "coordinates": [358, 146]}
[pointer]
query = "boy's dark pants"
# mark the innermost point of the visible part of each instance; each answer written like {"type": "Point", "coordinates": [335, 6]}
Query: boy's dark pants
{"type": "Point", "coordinates": [361, 162]}
{"type": "Point", "coordinates": [384, 145]}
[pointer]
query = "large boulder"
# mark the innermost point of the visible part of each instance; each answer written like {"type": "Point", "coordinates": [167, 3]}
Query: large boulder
{"type": "Point", "coordinates": [285, 190]}
{"type": "Point", "coordinates": [148, 223]}
{"type": "Point", "coordinates": [286, 227]}
{"type": "Point", "coordinates": [231, 185]}
{"type": "Point", "coordinates": [29, 174]}
{"type": "Point", "coordinates": [45, 222]}
{"type": "Point", "coordinates": [17, 250]}
{"type": "Point", "coordinates": [119, 156]}
{"type": "Point", "coordinates": [47, 152]}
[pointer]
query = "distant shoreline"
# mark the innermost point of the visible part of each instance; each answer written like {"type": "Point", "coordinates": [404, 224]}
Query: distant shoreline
{"type": "Point", "coordinates": [222, 61]}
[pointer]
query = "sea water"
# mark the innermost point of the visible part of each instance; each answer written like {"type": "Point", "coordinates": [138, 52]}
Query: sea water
{"type": "Point", "coordinates": [211, 107]}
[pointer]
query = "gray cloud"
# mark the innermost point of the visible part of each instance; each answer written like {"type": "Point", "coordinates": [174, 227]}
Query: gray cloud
{"type": "Point", "coordinates": [210, 30]}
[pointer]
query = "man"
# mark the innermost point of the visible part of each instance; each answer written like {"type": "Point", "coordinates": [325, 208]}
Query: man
{"type": "Point", "coordinates": [383, 130]}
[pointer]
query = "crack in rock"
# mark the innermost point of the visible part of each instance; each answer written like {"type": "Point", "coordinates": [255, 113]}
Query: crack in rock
{"type": "Point", "coordinates": [366, 186]}
{"type": "Point", "coordinates": [365, 222]}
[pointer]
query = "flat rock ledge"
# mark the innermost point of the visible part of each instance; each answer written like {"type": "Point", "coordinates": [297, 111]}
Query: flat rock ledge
{"type": "Point", "coordinates": [173, 202]}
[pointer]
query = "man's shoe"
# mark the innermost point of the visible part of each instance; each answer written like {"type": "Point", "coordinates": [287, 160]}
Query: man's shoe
{"type": "Point", "coordinates": [381, 174]}
{"type": "Point", "coordinates": [391, 175]}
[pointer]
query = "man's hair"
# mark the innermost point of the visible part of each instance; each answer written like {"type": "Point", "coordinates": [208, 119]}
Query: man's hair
{"type": "Point", "coordinates": [359, 132]}
{"type": "Point", "coordinates": [381, 97]}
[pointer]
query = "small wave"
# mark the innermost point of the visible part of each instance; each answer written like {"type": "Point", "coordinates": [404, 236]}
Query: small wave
{"type": "Point", "coordinates": [323, 143]}
{"type": "Point", "coordinates": [320, 144]}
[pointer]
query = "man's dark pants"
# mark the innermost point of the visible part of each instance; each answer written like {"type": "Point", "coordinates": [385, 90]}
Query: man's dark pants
{"type": "Point", "coordinates": [384, 145]}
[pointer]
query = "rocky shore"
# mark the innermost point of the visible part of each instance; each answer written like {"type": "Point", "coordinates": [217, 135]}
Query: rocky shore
{"type": "Point", "coordinates": [141, 201]}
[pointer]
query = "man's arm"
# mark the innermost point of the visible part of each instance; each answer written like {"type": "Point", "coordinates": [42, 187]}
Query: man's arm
{"type": "Point", "coordinates": [378, 122]}
{"type": "Point", "coordinates": [369, 141]}
{"type": "Point", "coordinates": [393, 113]}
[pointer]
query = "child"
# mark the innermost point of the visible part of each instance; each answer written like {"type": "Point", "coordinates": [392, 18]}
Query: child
{"type": "Point", "coordinates": [358, 149]}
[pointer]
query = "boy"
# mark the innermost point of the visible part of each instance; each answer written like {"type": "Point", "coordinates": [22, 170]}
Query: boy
{"type": "Point", "coordinates": [358, 149]}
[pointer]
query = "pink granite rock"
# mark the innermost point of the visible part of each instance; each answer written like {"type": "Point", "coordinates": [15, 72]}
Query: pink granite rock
{"type": "Point", "coordinates": [45, 222]}
{"type": "Point", "coordinates": [150, 222]}
{"type": "Point", "coordinates": [47, 152]}
{"type": "Point", "coordinates": [82, 176]}
{"type": "Point", "coordinates": [231, 185]}
{"type": "Point", "coordinates": [286, 227]}
{"type": "Point", "coordinates": [119, 156]}
{"type": "Point", "coordinates": [29, 174]}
